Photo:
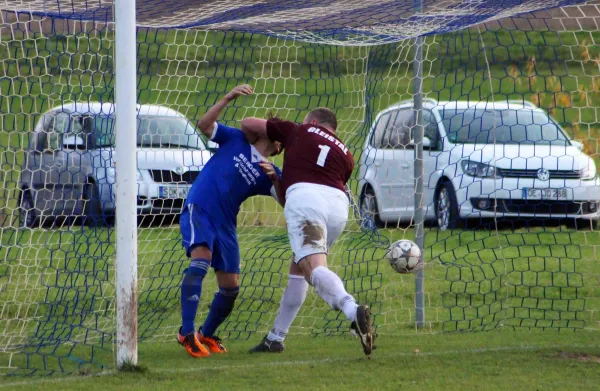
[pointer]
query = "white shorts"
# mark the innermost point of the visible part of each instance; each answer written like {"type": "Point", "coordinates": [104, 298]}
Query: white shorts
{"type": "Point", "coordinates": [316, 216]}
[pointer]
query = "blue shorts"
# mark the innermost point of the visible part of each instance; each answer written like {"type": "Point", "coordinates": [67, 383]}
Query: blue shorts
{"type": "Point", "coordinates": [197, 229]}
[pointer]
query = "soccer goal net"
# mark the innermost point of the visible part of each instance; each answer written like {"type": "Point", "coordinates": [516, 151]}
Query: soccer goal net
{"type": "Point", "coordinates": [474, 121]}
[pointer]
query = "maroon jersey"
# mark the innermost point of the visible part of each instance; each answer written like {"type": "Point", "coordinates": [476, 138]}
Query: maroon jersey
{"type": "Point", "coordinates": [312, 154]}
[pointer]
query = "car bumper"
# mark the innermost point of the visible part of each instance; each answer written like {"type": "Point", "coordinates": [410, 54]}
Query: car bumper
{"type": "Point", "coordinates": [509, 197]}
{"type": "Point", "coordinates": [162, 198]}
{"type": "Point", "coordinates": [155, 198]}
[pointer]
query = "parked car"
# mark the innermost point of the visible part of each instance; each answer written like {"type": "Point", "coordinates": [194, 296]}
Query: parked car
{"type": "Point", "coordinates": [481, 160]}
{"type": "Point", "coordinates": [69, 167]}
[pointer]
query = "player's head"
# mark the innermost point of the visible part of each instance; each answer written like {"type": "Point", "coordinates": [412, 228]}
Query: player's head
{"type": "Point", "coordinates": [267, 147]}
{"type": "Point", "coordinates": [322, 116]}
{"type": "Point", "coordinates": [275, 148]}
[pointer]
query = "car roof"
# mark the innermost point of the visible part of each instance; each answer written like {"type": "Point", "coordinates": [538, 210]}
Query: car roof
{"type": "Point", "coordinates": [431, 104]}
{"type": "Point", "coordinates": [96, 108]}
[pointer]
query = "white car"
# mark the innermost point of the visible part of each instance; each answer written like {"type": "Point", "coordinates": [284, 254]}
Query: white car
{"type": "Point", "coordinates": [70, 165]}
{"type": "Point", "coordinates": [481, 160]}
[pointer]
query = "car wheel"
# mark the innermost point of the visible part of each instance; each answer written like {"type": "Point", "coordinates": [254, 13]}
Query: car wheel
{"type": "Point", "coordinates": [368, 207]}
{"type": "Point", "coordinates": [446, 207]}
{"type": "Point", "coordinates": [584, 224]}
{"type": "Point", "coordinates": [28, 216]}
{"type": "Point", "coordinates": [92, 211]}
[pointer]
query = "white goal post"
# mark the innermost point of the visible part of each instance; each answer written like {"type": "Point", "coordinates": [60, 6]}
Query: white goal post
{"type": "Point", "coordinates": [126, 185]}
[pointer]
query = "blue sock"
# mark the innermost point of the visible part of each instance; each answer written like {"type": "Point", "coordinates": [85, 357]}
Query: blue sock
{"type": "Point", "coordinates": [221, 307]}
{"type": "Point", "coordinates": [191, 289]}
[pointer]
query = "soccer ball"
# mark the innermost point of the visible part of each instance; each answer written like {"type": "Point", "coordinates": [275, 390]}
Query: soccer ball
{"type": "Point", "coordinates": [404, 256]}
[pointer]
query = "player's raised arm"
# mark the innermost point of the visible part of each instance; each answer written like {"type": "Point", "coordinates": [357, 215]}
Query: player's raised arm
{"type": "Point", "coordinates": [207, 123]}
{"type": "Point", "coordinates": [272, 129]}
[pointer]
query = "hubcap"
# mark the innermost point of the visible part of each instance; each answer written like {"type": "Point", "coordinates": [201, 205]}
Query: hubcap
{"type": "Point", "coordinates": [443, 209]}
{"type": "Point", "coordinates": [367, 207]}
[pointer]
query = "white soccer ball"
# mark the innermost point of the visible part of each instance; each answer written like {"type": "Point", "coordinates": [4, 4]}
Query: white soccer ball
{"type": "Point", "coordinates": [404, 256]}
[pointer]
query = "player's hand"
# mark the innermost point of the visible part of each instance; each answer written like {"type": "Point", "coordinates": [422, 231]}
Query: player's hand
{"type": "Point", "coordinates": [243, 89]}
{"type": "Point", "coordinates": [269, 170]}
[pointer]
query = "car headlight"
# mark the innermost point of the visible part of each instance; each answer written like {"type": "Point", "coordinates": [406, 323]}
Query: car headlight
{"type": "Point", "coordinates": [589, 173]}
{"type": "Point", "coordinates": [479, 170]}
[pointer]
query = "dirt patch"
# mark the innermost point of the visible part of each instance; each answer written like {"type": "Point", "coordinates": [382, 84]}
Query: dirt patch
{"type": "Point", "coordinates": [577, 357]}
{"type": "Point", "coordinates": [313, 234]}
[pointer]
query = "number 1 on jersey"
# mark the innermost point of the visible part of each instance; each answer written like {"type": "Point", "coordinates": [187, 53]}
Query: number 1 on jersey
{"type": "Point", "coordinates": [323, 155]}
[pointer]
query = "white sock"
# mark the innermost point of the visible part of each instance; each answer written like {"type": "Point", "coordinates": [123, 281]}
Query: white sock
{"type": "Point", "coordinates": [291, 302]}
{"type": "Point", "coordinates": [331, 288]}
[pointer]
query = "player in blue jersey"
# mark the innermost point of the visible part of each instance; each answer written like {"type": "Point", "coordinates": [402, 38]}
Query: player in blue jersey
{"type": "Point", "coordinates": [208, 222]}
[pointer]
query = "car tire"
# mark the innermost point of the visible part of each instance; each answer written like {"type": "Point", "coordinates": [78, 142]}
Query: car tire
{"type": "Point", "coordinates": [92, 214]}
{"type": "Point", "coordinates": [584, 224]}
{"type": "Point", "coordinates": [446, 207]}
{"type": "Point", "coordinates": [368, 206]}
{"type": "Point", "coordinates": [28, 215]}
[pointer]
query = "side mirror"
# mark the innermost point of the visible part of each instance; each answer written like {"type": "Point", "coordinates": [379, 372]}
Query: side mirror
{"type": "Point", "coordinates": [73, 142]}
{"type": "Point", "coordinates": [212, 146]}
{"type": "Point", "coordinates": [577, 145]}
{"type": "Point", "coordinates": [426, 143]}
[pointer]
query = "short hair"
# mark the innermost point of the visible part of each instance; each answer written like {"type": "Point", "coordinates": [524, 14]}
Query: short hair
{"type": "Point", "coordinates": [271, 116]}
{"type": "Point", "coordinates": [324, 116]}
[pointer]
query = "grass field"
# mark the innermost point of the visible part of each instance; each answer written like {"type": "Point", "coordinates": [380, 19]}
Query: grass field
{"type": "Point", "coordinates": [483, 361]}
{"type": "Point", "coordinates": [475, 280]}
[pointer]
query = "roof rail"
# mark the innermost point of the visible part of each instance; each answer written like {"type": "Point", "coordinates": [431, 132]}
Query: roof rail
{"type": "Point", "coordinates": [524, 103]}
{"type": "Point", "coordinates": [425, 100]}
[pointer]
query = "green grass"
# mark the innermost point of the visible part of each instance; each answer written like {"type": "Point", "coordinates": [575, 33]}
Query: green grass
{"type": "Point", "coordinates": [485, 361]}
{"type": "Point", "coordinates": [475, 280]}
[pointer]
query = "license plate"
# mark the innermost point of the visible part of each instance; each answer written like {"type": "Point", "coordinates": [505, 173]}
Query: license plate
{"type": "Point", "coordinates": [174, 191]}
{"type": "Point", "coordinates": [546, 194]}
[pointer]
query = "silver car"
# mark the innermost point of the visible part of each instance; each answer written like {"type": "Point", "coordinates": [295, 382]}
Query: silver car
{"type": "Point", "coordinates": [481, 160]}
{"type": "Point", "coordinates": [69, 167]}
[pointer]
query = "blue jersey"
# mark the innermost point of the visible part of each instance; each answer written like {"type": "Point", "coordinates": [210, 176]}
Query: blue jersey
{"type": "Point", "coordinates": [230, 176]}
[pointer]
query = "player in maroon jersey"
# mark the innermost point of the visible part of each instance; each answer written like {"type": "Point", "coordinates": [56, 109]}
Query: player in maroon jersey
{"type": "Point", "coordinates": [316, 168]}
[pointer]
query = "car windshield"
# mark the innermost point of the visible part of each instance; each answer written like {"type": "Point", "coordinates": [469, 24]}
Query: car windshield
{"type": "Point", "coordinates": [505, 126]}
{"type": "Point", "coordinates": [153, 131]}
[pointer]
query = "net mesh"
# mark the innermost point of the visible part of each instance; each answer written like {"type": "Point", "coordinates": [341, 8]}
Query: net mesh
{"type": "Point", "coordinates": [497, 255]}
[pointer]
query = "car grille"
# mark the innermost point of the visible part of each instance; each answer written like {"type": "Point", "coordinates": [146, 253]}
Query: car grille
{"type": "Point", "coordinates": [554, 174]}
{"type": "Point", "coordinates": [168, 176]}
{"type": "Point", "coordinates": [169, 204]}
{"type": "Point", "coordinates": [552, 207]}
{"type": "Point", "coordinates": [538, 207]}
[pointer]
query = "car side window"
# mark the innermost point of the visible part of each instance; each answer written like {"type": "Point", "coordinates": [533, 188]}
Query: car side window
{"type": "Point", "coordinates": [55, 130]}
{"type": "Point", "coordinates": [400, 129]}
{"type": "Point", "coordinates": [380, 127]}
{"type": "Point", "coordinates": [38, 137]}
{"type": "Point", "coordinates": [431, 130]}
{"type": "Point", "coordinates": [81, 125]}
